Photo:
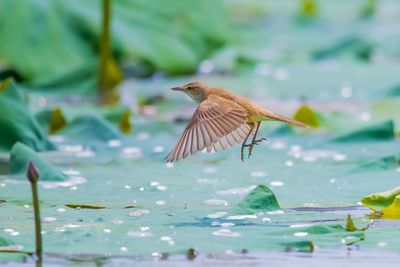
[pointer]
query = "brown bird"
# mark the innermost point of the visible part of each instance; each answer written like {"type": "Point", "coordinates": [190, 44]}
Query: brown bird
{"type": "Point", "coordinates": [221, 120]}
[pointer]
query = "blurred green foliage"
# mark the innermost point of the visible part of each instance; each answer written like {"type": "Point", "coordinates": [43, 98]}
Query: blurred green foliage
{"type": "Point", "coordinates": [17, 122]}
{"type": "Point", "coordinates": [46, 39]}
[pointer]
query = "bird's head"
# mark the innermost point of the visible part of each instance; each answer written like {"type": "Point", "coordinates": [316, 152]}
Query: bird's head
{"type": "Point", "coordinates": [198, 91]}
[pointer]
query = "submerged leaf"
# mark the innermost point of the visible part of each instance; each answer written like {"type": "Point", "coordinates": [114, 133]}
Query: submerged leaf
{"type": "Point", "coordinates": [260, 199]}
{"type": "Point", "coordinates": [385, 163]}
{"type": "Point", "coordinates": [300, 246]}
{"type": "Point", "coordinates": [382, 131]}
{"type": "Point", "coordinates": [85, 206]}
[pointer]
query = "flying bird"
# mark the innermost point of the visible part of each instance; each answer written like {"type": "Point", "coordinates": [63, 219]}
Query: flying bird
{"type": "Point", "coordinates": [221, 120]}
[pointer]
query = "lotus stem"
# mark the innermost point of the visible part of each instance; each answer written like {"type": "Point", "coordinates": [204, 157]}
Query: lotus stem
{"type": "Point", "coordinates": [33, 177]}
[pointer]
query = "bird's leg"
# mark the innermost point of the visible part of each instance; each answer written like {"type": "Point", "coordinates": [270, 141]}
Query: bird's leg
{"type": "Point", "coordinates": [254, 141]}
{"type": "Point", "coordinates": [244, 143]}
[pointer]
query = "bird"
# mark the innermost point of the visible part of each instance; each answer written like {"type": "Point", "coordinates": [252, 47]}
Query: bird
{"type": "Point", "coordinates": [221, 120]}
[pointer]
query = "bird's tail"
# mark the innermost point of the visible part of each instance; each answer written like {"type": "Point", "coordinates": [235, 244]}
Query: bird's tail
{"type": "Point", "coordinates": [278, 117]}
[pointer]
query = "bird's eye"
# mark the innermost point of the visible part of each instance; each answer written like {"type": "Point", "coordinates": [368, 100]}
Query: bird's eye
{"type": "Point", "coordinates": [189, 88]}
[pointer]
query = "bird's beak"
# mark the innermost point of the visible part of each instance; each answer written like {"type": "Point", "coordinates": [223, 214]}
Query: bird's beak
{"type": "Point", "coordinates": [177, 89]}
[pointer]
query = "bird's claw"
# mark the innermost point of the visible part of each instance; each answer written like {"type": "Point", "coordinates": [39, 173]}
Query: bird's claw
{"type": "Point", "coordinates": [251, 146]}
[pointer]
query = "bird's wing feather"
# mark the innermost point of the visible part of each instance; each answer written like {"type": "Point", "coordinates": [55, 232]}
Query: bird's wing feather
{"type": "Point", "coordinates": [216, 124]}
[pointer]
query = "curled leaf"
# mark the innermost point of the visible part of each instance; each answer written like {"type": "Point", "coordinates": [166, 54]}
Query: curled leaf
{"type": "Point", "coordinates": [57, 120]}
{"type": "Point", "coordinates": [260, 198]}
{"type": "Point", "coordinates": [307, 115]}
{"type": "Point", "coordinates": [386, 203]}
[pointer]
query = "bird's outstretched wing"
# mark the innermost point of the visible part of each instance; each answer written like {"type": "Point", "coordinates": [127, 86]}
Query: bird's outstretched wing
{"type": "Point", "coordinates": [216, 124]}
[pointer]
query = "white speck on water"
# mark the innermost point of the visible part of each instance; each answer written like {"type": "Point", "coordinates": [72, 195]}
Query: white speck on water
{"type": "Point", "coordinates": [205, 181]}
{"type": "Point", "coordinates": [235, 191]}
{"type": "Point", "coordinates": [281, 74]}
{"type": "Point", "coordinates": [160, 203]}
{"type": "Point", "coordinates": [144, 228]}
{"type": "Point", "coordinates": [49, 219]}
{"type": "Point", "coordinates": [332, 181]}
{"type": "Point", "coordinates": [162, 187]}
{"type": "Point", "coordinates": [265, 219]}
{"type": "Point", "coordinates": [140, 234]}
{"type": "Point", "coordinates": [156, 254]}
{"type": "Point", "coordinates": [226, 233]}
{"type": "Point", "coordinates": [117, 221]}
{"type": "Point", "coordinates": [275, 212]}
{"type": "Point", "coordinates": [350, 239]}
{"type": "Point", "coordinates": [143, 136]}
{"type": "Point", "coordinates": [141, 189]}
{"type": "Point", "coordinates": [300, 225]}
{"type": "Point", "coordinates": [56, 138]}
{"type": "Point", "coordinates": [26, 206]}
{"type": "Point", "coordinates": [131, 153]}
{"type": "Point", "coordinates": [43, 232]}
{"type": "Point", "coordinates": [301, 234]}
{"type": "Point", "coordinates": [216, 202]}
{"type": "Point", "coordinates": [309, 158]}
{"type": "Point", "coordinates": [42, 102]}
{"type": "Point", "coordinates": [158, 149]}
{"type": "Point", "coordinates": [70, 225]}
{"type": "Point", "coordinates": [241, 217]}
{"type": "Point", "coordinates": [138, 213]}
{"type": "Point", "coordinates": [206, 67]}
{"type": "Point", "coordinates": [2, 185]}
{"type": "Point", "coordinates": [214, 223]}
{"type": "Point", "coordinates": [85, 154]}
{"type": "Point", "coordinates": [339, 157]}
{"type": "Point", "coordinates": [398, 169]}
{"type": "Point", "coordinates": [107, 231]}
{"type": "Point", "coordinates": [71, 172]}
{"type": "Point", "coordinates": [365, 116]}
{"type": "Point", "coordinates": [114, 143]}
{"type": "Point", "coordinates": [127, 187]}
{"type": "Point", "coordinates": [169, 165]}
{"type": "Point", "coordinates": [262, 69]}
{"type": "Point", "coordinates": [71, 149]}
{"type": "Point", "coordinates": [277, 145]}
{"type": "Point", "coordinates": [154, 183]}
{"type": "Point", "coordinates": [289, 163]}
{"type": "Point", "coordinates": [15, 233]}
{"type": "Point", "coordinates": [258, 174]}
{"type": "Point", "coordinates": [124, 249]}
{"type": "Point", "coordinates": [59, 229]}
{"type": "Point", "coordinates": [71, 182]}
{"type": "Point", "coordinates": [276, 183]}
{"type": "Point", "coordinates": [61, 210]}
{"type": "Point", "coordinates": [229, 252]}
{"type": "Point", "coordinates": [8, 230]}
{"type": "Point", "coordinates": [73, 188]}
{"type": "Point", "coordinates": [166, 238]}
{"type": "Point", "coordinates": [382, 244]}
{"type": "Point", "coordinates": [311, 205]}
{"type": "Point", "coordinates": [346, 91]}
{"type": "Point", "coordinates": [216, 215]}
{"type": "Point", "coordinates": [210, 170]}
{"type": "Point", "coordinates": [227, 224]}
